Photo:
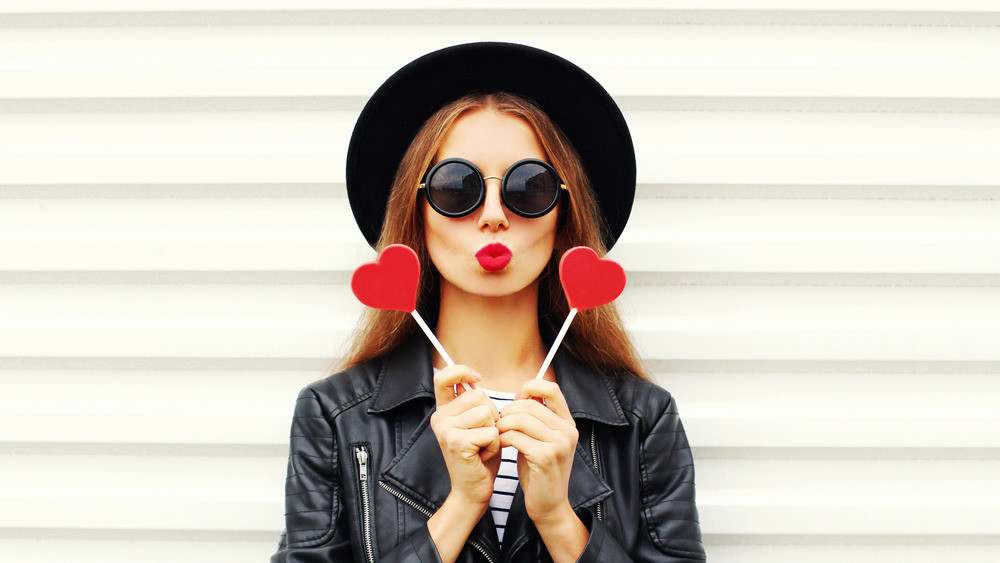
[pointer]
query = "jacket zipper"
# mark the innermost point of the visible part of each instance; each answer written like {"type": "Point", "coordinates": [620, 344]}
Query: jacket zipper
{"type": "Point", "coordinates": [428, 514]}
{"type": "Point", "coordinates": [366, 516]}
{"type": "Point", "coordinates": [593, 455]}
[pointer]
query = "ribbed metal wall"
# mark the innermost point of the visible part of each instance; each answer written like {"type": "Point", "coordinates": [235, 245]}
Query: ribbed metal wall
{"type": "Point", "coordinates": [814, 259]}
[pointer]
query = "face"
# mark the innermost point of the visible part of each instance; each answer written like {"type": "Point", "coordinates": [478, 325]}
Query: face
{"type": "Point", "coordinates": [492, 141]}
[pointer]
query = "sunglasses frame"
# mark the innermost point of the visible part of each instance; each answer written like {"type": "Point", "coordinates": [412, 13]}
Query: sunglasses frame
{"type": "Point", "coordinates": [503, 187]}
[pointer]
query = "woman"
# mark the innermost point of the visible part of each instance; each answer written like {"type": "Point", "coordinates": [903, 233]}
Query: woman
{"type": "Point", "coordinates": [490, 160]}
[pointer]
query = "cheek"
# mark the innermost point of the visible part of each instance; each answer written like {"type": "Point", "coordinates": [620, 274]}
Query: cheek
{"type": "Point", "coordinates": [539, 245]}
{"type": "Point", "coordinates": [547, 229]}
{"type": "Point", "coordinates": [435, 240]}
{"type": "Point", "coordinates": [435, 230]}
{"type": "Point", "coordinates": [442, 237]}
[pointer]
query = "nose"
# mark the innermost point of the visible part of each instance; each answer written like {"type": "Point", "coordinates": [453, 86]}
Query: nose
{"type": "Point", "coordinates": [492, 216]}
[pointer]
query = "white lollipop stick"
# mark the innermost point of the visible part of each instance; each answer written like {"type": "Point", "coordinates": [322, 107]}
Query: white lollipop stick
{"type": "Point", "coordinates": [437, 343]}
{"type": "Point", "coordinates": [556, 343]}
{"type": "Point", "coordinates": [432, 338]}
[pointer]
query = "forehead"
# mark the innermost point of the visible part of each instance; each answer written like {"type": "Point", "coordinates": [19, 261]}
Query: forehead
{"type": "Point", "coordinates": [490, 138]}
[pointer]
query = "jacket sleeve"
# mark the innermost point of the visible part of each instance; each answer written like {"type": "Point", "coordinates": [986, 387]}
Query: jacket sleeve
{"type": "Point", "coordinates": [317, 529]}
{"type": "Point", "coordinates": [672, 533]}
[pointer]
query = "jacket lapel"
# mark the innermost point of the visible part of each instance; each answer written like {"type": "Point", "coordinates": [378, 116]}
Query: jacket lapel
{"type": "Point", "coordinates": [586, 488]}
{"type": "Point", "coordinates": [588, 393]}
{"type": "Point", "coordinates": [418, 470]}
{"type": "Point", "coordinates": [590, 397]}
{"type": "Point", "coordinates": [407, 379]}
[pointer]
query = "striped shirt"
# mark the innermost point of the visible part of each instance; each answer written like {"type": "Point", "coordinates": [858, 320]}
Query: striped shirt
{"type": "Point", "coordinates": [506, 481]}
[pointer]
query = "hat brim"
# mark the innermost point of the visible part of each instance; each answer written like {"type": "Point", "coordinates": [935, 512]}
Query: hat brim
{"type": "Point", "coordinates": [573, 99]}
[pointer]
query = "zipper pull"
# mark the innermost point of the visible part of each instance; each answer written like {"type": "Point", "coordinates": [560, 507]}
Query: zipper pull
{"type": "Point", "coordinates": [363, 463]}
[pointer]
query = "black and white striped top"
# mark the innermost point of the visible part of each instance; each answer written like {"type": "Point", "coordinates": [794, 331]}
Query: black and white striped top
{"type": "Point", "coordinates": [506, 481]}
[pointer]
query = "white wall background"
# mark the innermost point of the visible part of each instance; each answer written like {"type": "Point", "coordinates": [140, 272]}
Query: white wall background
{"type": "Point", "coordinates": [814, 258]}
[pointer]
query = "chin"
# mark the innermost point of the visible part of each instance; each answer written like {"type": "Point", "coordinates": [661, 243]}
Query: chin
{"type": "Point", "coordinates": [491, 284]}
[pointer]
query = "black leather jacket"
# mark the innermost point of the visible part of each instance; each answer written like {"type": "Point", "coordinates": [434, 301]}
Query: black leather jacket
{"type": "Point", "coordinates": [365, 471]}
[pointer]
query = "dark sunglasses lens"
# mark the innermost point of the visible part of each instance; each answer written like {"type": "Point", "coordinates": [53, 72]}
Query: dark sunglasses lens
{"type": "Point", "coordinates": [455, 188]}
{"type": "Point", "coordinates": [531, 189]}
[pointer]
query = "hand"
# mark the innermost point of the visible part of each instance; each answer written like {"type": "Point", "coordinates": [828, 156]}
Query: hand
{"type": "Point", "coordinates": [545, 436]}
{"type": "Point", "coordinates": [542, 429]}
{"type": "Point", "coordinates": [465, 427]}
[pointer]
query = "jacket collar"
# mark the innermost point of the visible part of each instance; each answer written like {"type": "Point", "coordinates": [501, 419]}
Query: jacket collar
{"type": "Point", "coordinates": [588, 393]}
{"type": "Point", "coordinates": [407, 375]}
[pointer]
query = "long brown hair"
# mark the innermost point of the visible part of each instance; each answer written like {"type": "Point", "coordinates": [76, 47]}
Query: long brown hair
{"type": "Point", "coordinates": [596, 337]}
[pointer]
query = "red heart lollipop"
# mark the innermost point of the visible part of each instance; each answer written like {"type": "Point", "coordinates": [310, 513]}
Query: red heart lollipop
{"type": "Point", "coordinates": [391, 281]}
{"type": "Point", "coordinates": [590, 281]}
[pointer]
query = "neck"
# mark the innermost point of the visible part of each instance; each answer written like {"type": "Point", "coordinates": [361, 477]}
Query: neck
{"type": "Point", "coordinates": [498, 337]}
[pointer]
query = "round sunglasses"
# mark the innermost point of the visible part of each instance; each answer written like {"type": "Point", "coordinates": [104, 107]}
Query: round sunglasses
{"type": "Point", "coordinates": [455, 187]}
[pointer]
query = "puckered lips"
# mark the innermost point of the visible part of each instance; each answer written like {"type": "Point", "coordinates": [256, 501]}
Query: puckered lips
{"type": "Point", "coordinates": [493, 257]}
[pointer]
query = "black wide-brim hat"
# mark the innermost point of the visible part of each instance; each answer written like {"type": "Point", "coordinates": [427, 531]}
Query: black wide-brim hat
{"type": "Point", "coordinates": [573, 99]}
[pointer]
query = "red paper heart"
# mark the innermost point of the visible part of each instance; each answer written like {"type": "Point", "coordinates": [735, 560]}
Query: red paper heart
{"type": "Point", "coordinates": [390, 282]}
{"type": "Point", "coordinates": [590, 281]}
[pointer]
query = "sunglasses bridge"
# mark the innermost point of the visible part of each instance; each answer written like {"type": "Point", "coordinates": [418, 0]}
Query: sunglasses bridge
{"type": "Point", "coordinates": [561, 185]}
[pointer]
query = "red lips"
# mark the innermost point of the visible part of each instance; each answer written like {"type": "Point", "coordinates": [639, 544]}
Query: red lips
{"type": "Point", "coordinates": [493, 257]}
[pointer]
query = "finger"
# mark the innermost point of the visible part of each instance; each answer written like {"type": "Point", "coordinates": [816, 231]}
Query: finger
{"type": "Point", "coordinates": [475, 417]}
{"type": "Point", "coordinates": [469, 400]}
{"type": "Point", "coordinates": [541, 456]}
{"type": "Point", "coordinates": [519, 440]}
{"type": "Point", "coordinates": [487, 437]}
{"type": "Point", "coordinates": [466, 442]}
{"type": "Point", "coordinates": [490, 450]}
{"type": "Point", "coordinates": [550, 393]}
{"type": "Point", "coordinates": [526, 423]}
{"type": "Point", "coordinates": [449, 377]}
{"type": "Point", "coordinates": [539, 411]}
